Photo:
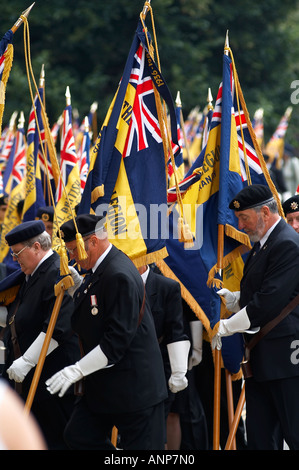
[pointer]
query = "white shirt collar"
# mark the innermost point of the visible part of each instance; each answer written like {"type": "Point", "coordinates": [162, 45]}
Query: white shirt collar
{"type": "Point", "coordinates": [145, 274]}
{"type": "Point", "coordinates": [265, 237]}
{"type": "Point", "coordinates": [100, 259]}
{"type": "Point", "coordinates": [47, 255]}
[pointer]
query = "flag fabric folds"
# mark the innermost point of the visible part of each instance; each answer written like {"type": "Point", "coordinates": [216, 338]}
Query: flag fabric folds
{"type": "Point", "coordinates": [6, 59]}
{"type": "Point", "coordinates": [68, 187]}
{"type": "Point", "coordinates": [127, 177]}
{"type": "Point", "coordinates": [15, 187]}
{"type": "Point", "coordinates": [229, 161]}
{"type": "Point", "coordinates": [275, 146]}
{"type": "Point", "coordinates": [34, 195]}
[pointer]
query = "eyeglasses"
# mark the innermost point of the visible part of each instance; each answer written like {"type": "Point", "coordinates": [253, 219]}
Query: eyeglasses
{"type": "Point", "coordinates": [16, 255]}
{"type": "Point", "coordinates": [71, 251]}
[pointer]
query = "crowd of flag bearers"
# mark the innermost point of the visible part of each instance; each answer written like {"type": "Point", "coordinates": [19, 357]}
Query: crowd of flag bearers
{"type": "Point", "coordinates": [123, 324]}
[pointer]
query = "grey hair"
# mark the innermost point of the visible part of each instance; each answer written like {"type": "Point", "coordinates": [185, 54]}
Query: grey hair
{"type": "Point", "coordinates": [43, 239]}
{"type": "Point", "coordinates": [272, 204]}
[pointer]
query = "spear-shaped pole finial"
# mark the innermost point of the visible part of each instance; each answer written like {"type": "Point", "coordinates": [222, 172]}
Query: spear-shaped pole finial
{"type": "Point", "coordinates": [178, 101]}
{"type": "Point", "coordinates": [145, 9]}
{"type": "Point", "coordinates": [210, 99]}
{"type": "Point", "coordinates": [12, 121]}
{"type": "Point", "coordinates": [20, 20]}
{"type": "Point", "coordinates": [86, 124]}
{"type": "Point", "coordinates": [68, 96]}
{"type": "Point", "coordinates": [42, 77]}
{"type": "Point", "coordinates": [94, 107]}
{"type": "Point", "coordinates": [226, 45]}
{"type": "Point", "coordinates": [21, 121]}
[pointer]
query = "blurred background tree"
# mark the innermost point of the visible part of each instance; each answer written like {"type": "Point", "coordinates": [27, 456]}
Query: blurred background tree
{"type": "Point", "coordinates": [84, 45]}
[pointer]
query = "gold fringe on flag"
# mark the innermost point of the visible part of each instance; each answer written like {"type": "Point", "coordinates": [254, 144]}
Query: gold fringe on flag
{"type": "Point", "coordinates": [5, 75]}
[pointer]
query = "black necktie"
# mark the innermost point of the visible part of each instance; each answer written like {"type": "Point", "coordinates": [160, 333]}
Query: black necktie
{"type": "Point", "coordinates": [84, 283]}
{"type": "Point", "coordinates": [256, 248]}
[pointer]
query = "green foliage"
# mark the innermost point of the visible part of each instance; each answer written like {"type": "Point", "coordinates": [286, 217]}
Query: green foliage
{"type": "Point", "coordinates": [84, 45]}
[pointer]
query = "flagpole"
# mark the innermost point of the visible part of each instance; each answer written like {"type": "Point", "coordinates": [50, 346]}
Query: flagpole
{"type": "Point", "coordinates": [217, 371]}
{"type": "Point", "coordinates": [20, 19]}
{"type": "Point", "coordinates": [59, 289]}
{"type": "Point", "coordinates": [179, 105]}
{"type": "Point", "coordinates": [236, 420]}
{"type": "Point", "coordinates": [230, 403]}
{"type": "Point", "coordinates": [217, 367]}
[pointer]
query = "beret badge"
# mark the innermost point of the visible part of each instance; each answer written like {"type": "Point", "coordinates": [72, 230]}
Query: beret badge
{"type": "Point", "coordinates": [236, 204]}
{"type": "Point", "coordinates": [294, 205]}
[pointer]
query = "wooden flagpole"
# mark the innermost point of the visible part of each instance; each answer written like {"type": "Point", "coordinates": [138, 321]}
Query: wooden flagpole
{"type": "Point", "coordinates": [60, 288]}
{"type": "Point", "coordinates": [230, 403]}
{"type": "Point", "coordinates": [217, 367]}
{"type": "Point", "coordinates": [235, 422]}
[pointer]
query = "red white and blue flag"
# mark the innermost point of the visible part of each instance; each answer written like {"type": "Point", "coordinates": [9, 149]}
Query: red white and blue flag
{"type": "Point", "coordinates": [68, 155]}
{"type": "Point", "coordinates": [127, 174]}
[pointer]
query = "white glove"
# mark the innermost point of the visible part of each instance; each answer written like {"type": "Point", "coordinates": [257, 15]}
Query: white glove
{"type": "Point", "coordinates": [231, 299]}
{"type": "Point", "coordinates": [237, 323]}
{"type": "Point", "coordinates": [3, 316]}
{"type": "Point", "coordinates": [62, 380]}
{"type": "Point", "coordinates": [196, 354]}
{"type": "Point", "coordinates": [77, 280]}
{"type": "Point", "coordinates": [21, 366]}
{"type": "Point", "coordinates": [178, 357]}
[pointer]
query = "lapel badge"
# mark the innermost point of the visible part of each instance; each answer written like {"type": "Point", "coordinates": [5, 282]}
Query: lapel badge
{"type": "Point", "coordinates": [94, 305]}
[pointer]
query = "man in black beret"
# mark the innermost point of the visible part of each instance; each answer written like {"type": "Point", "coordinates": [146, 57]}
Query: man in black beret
{"type": "Point", "coordinates": [270, 281]}
{"type": "Point", "coordinates": [46, 214]}
{"type": "Point", "coordinates": [291, 211]}
{"type": "Point", "coordinates": [26, 320]}
{"type": "Point", "coordinates": [122, 365]}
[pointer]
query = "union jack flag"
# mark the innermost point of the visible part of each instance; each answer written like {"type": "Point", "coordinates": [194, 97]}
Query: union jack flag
{"type": "Point", "coordinates": [68, 156]}
{"type": "Point", "coordinates": [6, 148]}
{"type": "Point", "coordinates": [142, 118]}
{"type": "Point", "coordinates": [83, 157]}
{"type": "Point", "coordinates": [4, 44]}
{"type": "Point", "coordinates": [19, 162]}
{"type": "Point", "coordinates": [281, 129]}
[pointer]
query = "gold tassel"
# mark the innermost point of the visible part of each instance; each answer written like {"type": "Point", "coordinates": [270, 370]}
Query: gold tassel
{"type": "Point", "coordinates": [184, 233]}
{"type": "Point", "coordinates": [80, 246]}
{"type": "Point", "coordinates": [64, 262]}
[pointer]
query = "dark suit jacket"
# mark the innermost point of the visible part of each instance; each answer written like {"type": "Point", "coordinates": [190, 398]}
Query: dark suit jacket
{"type": "Point", "coordinates": [164, 296]}
{"type": "Point", "coordinates": [270, 280]}
{"type": "Point", "coordinates": [33, 315]}
{"type": "Point", "coordinates": [135, 380]}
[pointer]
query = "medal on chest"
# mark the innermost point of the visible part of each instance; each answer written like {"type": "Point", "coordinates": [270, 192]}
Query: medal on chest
{"type": "Point", "coordinates": [94, 305]}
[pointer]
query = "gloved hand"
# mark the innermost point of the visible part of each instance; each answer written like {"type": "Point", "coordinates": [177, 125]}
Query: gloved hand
{"type": "Point", "coordinates": [62, 380]}
{"type": "Point", "coordinates": [231, 299]}
{"type": "Point", "coordinates": [237, 323]}
{"type": "Point", "coordinates": [178, 357]}
{"type": "Point", "coordinates": [77, 281]}
{"type": "Point", "coordinates": [3, 316]}
{"type": "Point", "coordinates": [21, 366]}
{"type": "Point", "coordinates": [196, 353]}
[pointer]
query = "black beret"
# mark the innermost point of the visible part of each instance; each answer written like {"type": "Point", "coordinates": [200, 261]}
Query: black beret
{"type": "Point", "coordinates": [251, 196]}
{"type": "Point", "coordinates": [25, 231]}
{"type": "Point", "coordinates": [45, 213]}
{"type": "Point", "coordinates": [86, 224]}
{"type": "Point", "coordinates": [291, 205]}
